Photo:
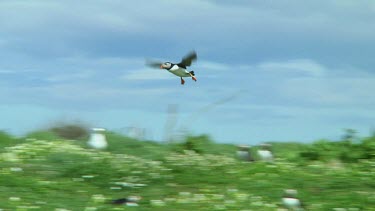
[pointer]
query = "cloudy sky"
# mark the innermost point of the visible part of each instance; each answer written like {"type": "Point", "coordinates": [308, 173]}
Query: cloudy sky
{"type": "Point", "coordinates": [267, 70]}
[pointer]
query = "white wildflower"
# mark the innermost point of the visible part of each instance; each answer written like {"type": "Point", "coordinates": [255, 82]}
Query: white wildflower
{"type": "Point", "coordinates": [140, 185]}
{"type": "Point", "coordinates": [186, 194]}
{"type": "Point", "coordinates": [14, 198]}
{"type": "Point", "coordinates": [256, 198]}
{"type": "Point", "coordinates": [242, 196]}
{"type": "Point", "coordinates": [155, 175]}
{"type": "Point", "coordinates": [232, 190]}
{"type": "Point", "coordinates": [99, 198]}
{"type": "Point", "coordinates": [183, 201]}
{"type": "Point", "coordinates": [270, 205]}
{"type": "Point", "coordinates": [170, 199]}
{"type": "Point", "coordinates": [339, 209]}
{"type": "Point", "coordinates": [88, 176]}
{"type": "Point", "coordinates": [16, 169]}
{"type": "Point", "coordinates": [217, 196]}
{"type": "Point", "coordinates": [199, 197]}
{"type": "Point", "coordinates": [229, 202]}
{"type": "Point", "coordinates": [157, 203]}
{"type": "Point", "coordinates": [10, 156]}
{"type": "Point", "coordinates": [257, 203]}
{"type": "Point", "coordinates": [219, 207]}
{"type": "Point", "coordinates": [45, 182]}
{"type": "Point", "coordinates": [132, 204]}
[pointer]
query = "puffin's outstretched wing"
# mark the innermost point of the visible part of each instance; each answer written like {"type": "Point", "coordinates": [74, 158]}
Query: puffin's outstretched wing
{"type": "Point", "coordinates": [188, 59]}
{"type": "Point", "coordinates": [154, 64]}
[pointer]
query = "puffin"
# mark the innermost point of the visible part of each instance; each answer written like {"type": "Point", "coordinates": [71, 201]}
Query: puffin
{"type": "Point", "coordinates": [265, 153]}
{"type": "Point", "coordinates": [291, 202]}
{"type": "Point", "coordinates": [244, 154]}
{"type": "Point", "coordinates": [179, 69]}
{"type": "Point", "coordinates": [128, 201]}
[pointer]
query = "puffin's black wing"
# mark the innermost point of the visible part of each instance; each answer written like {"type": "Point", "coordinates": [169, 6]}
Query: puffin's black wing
{"type": "Point", "coordinates": [188, 59]}
{"type": "Point", "coordinates": [153, 64]}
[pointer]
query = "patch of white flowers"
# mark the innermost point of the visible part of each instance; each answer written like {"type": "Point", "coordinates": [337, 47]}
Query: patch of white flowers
{"type": "Point", "coordinates": [203, 162]}
{"type": "Point", "coordinates": [157, 203]}
{"type": "Point", "coordinates": [136, 173]}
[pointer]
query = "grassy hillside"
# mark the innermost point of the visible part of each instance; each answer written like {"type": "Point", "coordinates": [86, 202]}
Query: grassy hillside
{"type": "Point", "coordinates": [46, 172]}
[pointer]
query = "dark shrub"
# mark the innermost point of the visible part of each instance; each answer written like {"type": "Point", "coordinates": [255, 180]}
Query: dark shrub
{"type": "Point", "coordinates": [310, 155]}
{"type": "Point", "coordinates": [199, 144]}
{"type": "Point", "coordinates": [71, 131]}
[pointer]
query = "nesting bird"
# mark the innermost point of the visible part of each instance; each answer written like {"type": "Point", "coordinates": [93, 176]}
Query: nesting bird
{"type": "Point", "coordinates": [265, 153]}
{"type": "Point", "coordinates": [290, 200]}
{"type": "Point", "coordinates": [179, 69]}
{"type": "Point", "coordinates": [97, 138]}
{"type": "Point", "coordinates": [243, 153]}
{"type": "Point", "coordinates": [128, 201]}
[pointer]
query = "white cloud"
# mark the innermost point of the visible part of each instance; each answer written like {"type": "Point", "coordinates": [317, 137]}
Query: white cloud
{"type": "Point", "coordinates": [304, 66]}
{"type": "Point", "coordinates": [301, 111]}
{"type": "Point", "coordinates": [81, 75]}
{"type": "Point", "coordinates": [158, 17]}
{"type": "Point", "coordinates": [7, 71]}
{"type": "Point", "coordinates": [213, 66]}
{"type": "Point", "coordinates": [338, 92]}
{"type": "Point", "coordinates": [148, 74]}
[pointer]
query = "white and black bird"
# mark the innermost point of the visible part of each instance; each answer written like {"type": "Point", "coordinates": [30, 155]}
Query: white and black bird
{"type": "Point", "coordinates": [265, 153]}
{"type": "Point", "coordinates": [98, 139]}
{"type": "Point", "coordinates": [128, 201]}
{"type": "Point", "coordinates": [290, 200]}
{"type": "Point", "coordinates": [244, 154]}
{"type": "Point", "coordinates": [179, 69]}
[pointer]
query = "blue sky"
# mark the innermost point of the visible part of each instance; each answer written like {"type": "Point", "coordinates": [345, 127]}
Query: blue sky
{"type": "Point", "coordinates": [293, 70]}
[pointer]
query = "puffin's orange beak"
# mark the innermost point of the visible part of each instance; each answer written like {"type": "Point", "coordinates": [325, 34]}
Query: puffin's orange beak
{"type": "Point", "coordinates": [161, 66]}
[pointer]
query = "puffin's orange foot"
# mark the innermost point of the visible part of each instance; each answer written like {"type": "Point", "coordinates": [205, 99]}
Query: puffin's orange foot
{"type": "Point", "coordinates": [194, 78]}
{"type": "Point", "coordinates": [182, 81]}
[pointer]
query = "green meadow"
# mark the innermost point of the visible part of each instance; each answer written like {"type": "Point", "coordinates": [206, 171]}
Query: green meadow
{"type": "Point", "coordinates": [43, 171]}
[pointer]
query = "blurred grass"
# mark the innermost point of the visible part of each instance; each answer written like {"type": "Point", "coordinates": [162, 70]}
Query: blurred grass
{"type": "Point", "coordinates": [43, 171]}
{"type": "Point", "coordinates": [7, 140]}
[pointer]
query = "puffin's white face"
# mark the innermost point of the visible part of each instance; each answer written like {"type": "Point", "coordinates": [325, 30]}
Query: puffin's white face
{"type": "Point", "coordinates": [166, 65]}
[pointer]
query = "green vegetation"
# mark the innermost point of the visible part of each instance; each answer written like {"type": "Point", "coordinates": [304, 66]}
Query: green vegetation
{"type": "Point", "coordinates": [44, 171]}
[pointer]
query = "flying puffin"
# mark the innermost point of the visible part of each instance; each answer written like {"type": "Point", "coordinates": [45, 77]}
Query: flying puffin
{"type": "Point", "coordinates": [180, 68]}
